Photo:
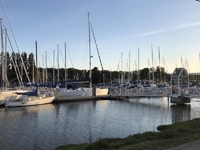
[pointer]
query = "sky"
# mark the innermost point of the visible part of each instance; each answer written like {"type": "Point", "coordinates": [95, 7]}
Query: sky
{"type": "Point", "coordinates": [123, 29]}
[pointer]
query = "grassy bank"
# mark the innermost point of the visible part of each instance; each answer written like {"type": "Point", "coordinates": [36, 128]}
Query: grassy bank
{"type": "Point", "coordinates": [168, 136]}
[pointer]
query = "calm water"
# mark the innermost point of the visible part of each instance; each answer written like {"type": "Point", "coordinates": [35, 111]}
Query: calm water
{"type": "Point", "coordinates": [52, 125]}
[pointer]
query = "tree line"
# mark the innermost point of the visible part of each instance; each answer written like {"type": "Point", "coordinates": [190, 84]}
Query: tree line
{"type": "Point", "coordinates": [14, 67]}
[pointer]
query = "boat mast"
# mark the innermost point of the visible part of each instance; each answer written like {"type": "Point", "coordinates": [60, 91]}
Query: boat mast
{"type": "Point", "coordinates": [90, 72]}
{"type": "Point", "coordinates": [6, 61]}
{"type": "Point", "coordinates": [129, 69]}
{"type": "Point", "coordinates": [152, 63]}
{"type": "Point", "coordinates": [43, 69]}
{"type": "Point", "coordinates": [65, 64]}
{"type": "Point", "coordinates": [138, 64]}
{"type": "Point", "coordinates": [2, 57]}
{"type": "Point", "coordinates": [58, 62]}
{"type": "Point", "coordinates": [33, 70]}
{"type": "Point", "coordinates": [19, 77]}
{"type": "Point", "coordinates": [53, 66]}
{"type": "Point", "coordinates": [122, 69]}
{"type": "Point", "coordinates": [159, 64]}
{"type": "Point", "coordinates": [15, 41]}
{"type": "Point", "coordinates": [46, 65]}
{"type": "Point", "coordinates": [36, 61]}
{"type": "Point", "coordinates": [149, 70]}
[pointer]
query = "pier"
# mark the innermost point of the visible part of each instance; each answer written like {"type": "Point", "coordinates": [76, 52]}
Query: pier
{"type": "Point", "coordinates": [117, 94]}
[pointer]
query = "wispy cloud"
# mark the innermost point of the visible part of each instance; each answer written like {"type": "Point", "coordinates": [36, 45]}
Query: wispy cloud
{"type": "Point", "coordinates": [179, 27]}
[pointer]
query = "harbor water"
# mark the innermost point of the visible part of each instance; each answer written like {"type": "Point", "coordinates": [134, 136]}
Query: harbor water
{"type": "Point", "coordinates": [49, 126]}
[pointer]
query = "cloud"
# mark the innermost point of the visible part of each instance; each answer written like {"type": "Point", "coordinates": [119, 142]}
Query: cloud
{"type": "Point", "coordinates": [179, 27]}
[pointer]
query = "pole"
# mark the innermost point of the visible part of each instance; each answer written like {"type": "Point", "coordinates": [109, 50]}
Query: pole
{"type": "Point", "coordinates": [53, 66]}
{"type": "Point", "coordinates": [36, 62]}
{"type": "Point", "coordinates": [2, 57]}
{"type": "Point", "coordinates": [43, 69]}
{"type": "Point", "coordinates": [58, 62]}
{"type": "Point", "coordinates": [46, 66]}
{"type": "Point", "coordinates": [65, 63]}
{"type": "Point", "coordinates": [138, 64]}
{"type": "Point", "coordinates": [90, 72]}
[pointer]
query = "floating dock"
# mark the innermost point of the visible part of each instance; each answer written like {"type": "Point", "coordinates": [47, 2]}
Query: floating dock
{"type": "Point", "coordinates": [103, 97]}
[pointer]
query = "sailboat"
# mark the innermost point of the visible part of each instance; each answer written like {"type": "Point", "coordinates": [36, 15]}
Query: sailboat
{"type": "Point", "coordinates": [30, 98]}
{"type": "Point", "coordinates": [79, 92]}
{"type": "Point", "coordinates": [26, 100]}
{"type": "Point", "coordinates": [5, 93]}
{"type": "Point", "coordinates": [99, 91]}
{"type": "Point", "coordinates": [83, 92]}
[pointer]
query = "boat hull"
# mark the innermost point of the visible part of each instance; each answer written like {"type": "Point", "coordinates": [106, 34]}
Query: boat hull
{"type": "Point", "coordinates": [8, 95]}
{"type": "Point", "coordinates": [29, 102]}
{"type": "Point", "coordinates": [81, 92]}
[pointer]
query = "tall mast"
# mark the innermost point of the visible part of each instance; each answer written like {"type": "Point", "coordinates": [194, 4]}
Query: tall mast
{"type": "Point", "coordinates": [152, 63]}
{"type": "Point", "coordinates": [149, 69]}
{"type": "Point", "coordinates": [6, 61]}
{"type": "Point", "coordinates": [138, 63]}
{"type": "Point", "coordinates": [33, 70]}
{"type": "Point", "coordinates": [90, 72]}
{"type": "Point", "coordinates": [36, 61]}
{"type": "Point", "coordinates": [121, 68]}
{"type": "Point", "coordinates": [46, 65]}
{"type": "Point", "coordinates": [65, 64]}
{"type": "Point", "coordinates": [58, 62]}
{"type": "Point", "coordinates": [43, 69]}
{"type": "Point", "coordinates": [159, 64]}
{"type": "Point", "coordinates": [2, 51]}
{"type": "Point", "coordinates": [53, 66]}
{"type": "Point", "coordinates": [129, 69]}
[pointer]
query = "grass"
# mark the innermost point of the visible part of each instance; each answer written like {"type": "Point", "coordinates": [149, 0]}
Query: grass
{"type": "Point", "coordinates": [168, 136]}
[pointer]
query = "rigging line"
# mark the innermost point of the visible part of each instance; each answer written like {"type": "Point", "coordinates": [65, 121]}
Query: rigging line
{"type": "Point", "coordinates": [97, 48]}
{"type": "Point", "coordinates": [38, 74]}
{"type": "Point", "coordinates": [15, 39]}
{"type": "Point", "coordinates": [19, 77]}
{"type": "Point", "coordinates": [62, 57]}
{"type": "Point", "coordinates": [70, 57]}
{"type": "Point", "coordinates": [49, 61]}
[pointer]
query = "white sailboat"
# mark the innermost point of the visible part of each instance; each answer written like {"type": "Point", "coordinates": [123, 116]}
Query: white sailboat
{"type": "Point", "coordinates": [30, 98]}
{"type": "Point", "coordinates": [26, 100]}
{"type": "Point", "coordinates": [5, 93]}
{"type": "Point", "coordinates": [82, 92]}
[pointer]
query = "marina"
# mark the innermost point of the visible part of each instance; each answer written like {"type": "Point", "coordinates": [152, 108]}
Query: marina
{"type": "Point", "coordinates": [48, 100]}
{"type": "Point", "coordinates": [49, 126]}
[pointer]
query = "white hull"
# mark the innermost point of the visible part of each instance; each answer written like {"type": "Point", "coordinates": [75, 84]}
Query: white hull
{"type": "Point", "coordinates": [7, 95]}
{"type": "Point", "coordinates": [80, 92]}
{"type": "Point", "coordinates": [100, 92]}
{"type": "Point", "coordinates": [30, 101]}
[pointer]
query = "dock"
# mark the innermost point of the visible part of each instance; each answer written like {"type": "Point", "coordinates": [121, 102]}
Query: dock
{"type": "Point", "coordinates": [66, 99]}
{"type": "Point", "coordinates": [102, 97]}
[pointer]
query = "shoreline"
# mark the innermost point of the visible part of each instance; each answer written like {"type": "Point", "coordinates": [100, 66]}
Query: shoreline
{"type": "Point", "coordinates": [168, 137]}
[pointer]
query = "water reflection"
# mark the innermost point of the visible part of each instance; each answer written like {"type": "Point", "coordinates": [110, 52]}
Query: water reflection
{"type": "Point", "coordinates": [52, 125]}
{"type": "Point", "coordinates": [181, 113]}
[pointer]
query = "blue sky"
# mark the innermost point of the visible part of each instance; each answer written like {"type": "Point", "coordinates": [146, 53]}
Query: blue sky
{"type": "Point", "coordinates": [120, 26]}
